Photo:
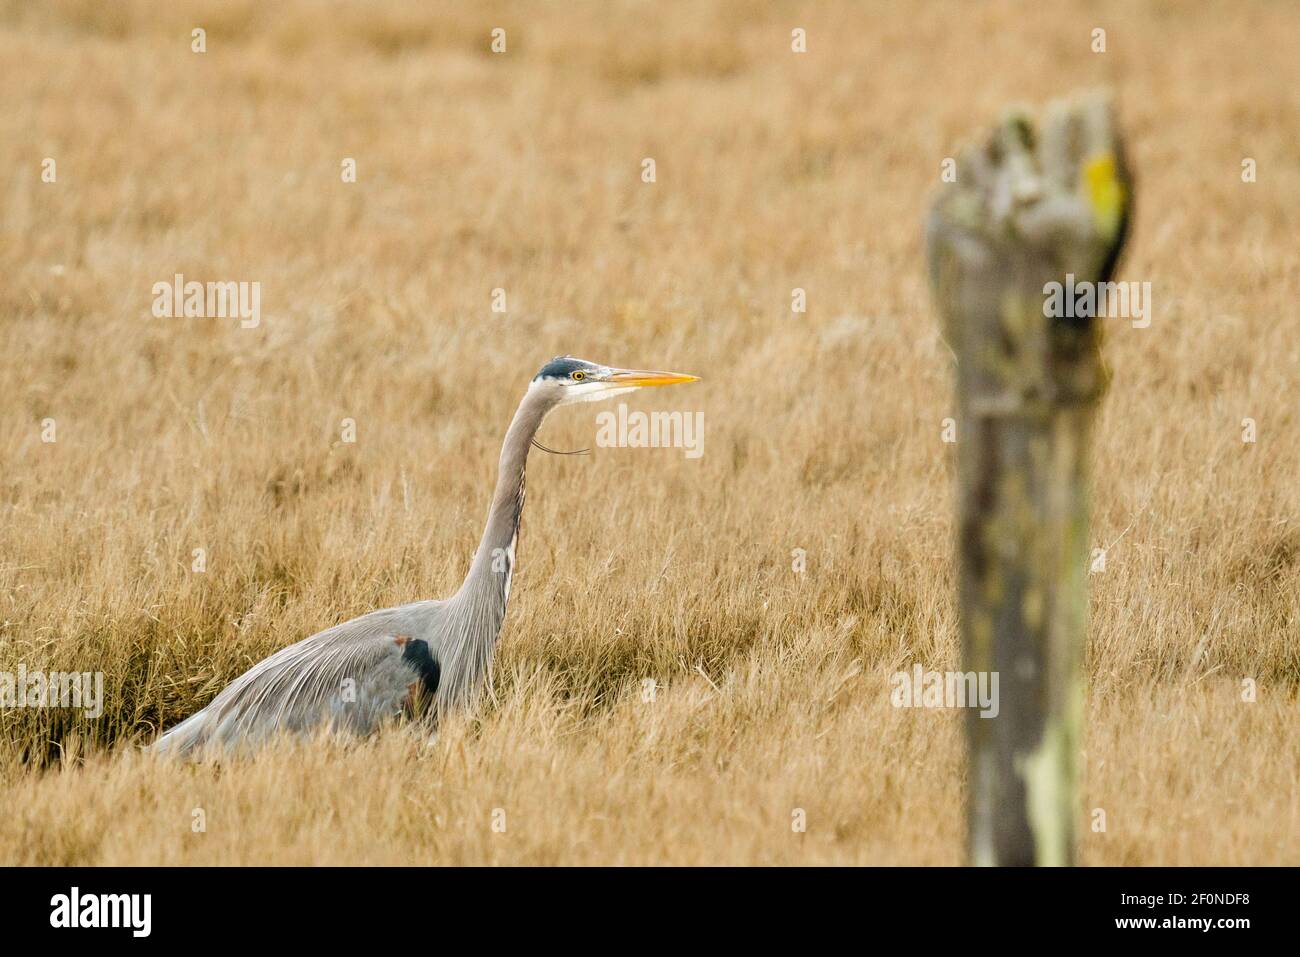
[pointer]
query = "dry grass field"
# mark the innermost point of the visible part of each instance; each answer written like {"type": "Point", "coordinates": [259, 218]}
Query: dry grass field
{"type": "Point", "coordinates": [522, 171]}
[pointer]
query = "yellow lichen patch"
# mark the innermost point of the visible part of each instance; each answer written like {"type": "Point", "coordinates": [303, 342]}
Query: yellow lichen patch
{"type": "Point", "coordinates": [1106, 194]}
{"type": "Point", "coordinates": [1049, 790]}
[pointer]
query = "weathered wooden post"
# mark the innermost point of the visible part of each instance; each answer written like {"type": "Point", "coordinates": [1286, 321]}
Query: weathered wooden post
{"type": "Point", "coordinates": [1028, 208]}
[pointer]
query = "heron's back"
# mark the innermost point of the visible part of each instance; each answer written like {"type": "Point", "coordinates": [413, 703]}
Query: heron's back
{"type": "Point", "coordinates": [350, 677]}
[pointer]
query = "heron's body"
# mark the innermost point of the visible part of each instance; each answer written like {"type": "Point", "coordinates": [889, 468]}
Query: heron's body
{"type": "Point", "coordinates": [404, 660]}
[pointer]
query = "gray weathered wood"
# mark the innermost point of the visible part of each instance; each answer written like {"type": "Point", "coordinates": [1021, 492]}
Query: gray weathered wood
{"type": "Point", "coordinates": [1028, 206]}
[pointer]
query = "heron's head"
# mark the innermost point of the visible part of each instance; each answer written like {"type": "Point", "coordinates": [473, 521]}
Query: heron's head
{"type": "Point", "coordinates": [567, 379]}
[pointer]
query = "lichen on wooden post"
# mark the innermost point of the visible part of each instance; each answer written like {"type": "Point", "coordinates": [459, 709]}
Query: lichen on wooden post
{"type": "Point", "coordinates": [1028, 207]}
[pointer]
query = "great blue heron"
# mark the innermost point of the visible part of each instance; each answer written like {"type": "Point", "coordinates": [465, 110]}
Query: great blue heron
{"type": "Point", "coordinates": [402, 660]}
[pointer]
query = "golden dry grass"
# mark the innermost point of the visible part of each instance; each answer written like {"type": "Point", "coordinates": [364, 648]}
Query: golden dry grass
{"type": "Point", "coordinates": [521, 171]}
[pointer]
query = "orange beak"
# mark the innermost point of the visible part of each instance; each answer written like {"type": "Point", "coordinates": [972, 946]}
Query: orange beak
{"type": "Point", "coordinates": [640, 378]}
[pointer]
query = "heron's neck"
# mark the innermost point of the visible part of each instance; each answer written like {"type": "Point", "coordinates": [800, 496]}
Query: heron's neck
{"type": "Point", "coordinates": [494, 561]}
{"type": "Point", "coordinates": [476, 611]}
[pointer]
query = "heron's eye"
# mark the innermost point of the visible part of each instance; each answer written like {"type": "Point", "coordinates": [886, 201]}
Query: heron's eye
{"type": "Point", "coordinates": [579, 375]}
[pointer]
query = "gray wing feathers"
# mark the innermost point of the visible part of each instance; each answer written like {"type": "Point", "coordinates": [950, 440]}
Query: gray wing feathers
{"type": "Point", "coordinates": [349, 678]}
